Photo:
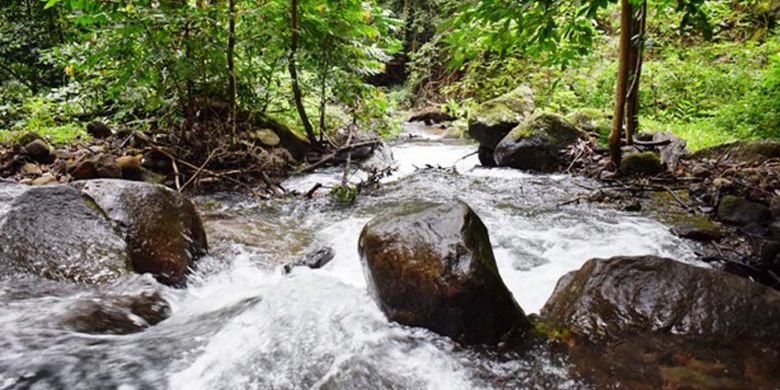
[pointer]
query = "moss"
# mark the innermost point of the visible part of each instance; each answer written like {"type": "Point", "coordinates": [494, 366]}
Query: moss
{"type": "Point", "coordinates": [511, 107]}
{"type": "Point", "coordinates": [553, 127]}
{"type": "Point", "coordinates": [641, 164]}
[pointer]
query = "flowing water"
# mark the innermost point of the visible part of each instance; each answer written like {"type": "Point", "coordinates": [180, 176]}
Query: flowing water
{"type": "Point", "coordinates": [242, 324]}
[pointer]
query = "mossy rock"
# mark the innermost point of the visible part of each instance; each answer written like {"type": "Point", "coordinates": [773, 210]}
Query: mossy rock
{"type": "Point", "coordinates": [492, 120]}
{"type": "Point", "coordinates": [538, 143]}
{"type": "Point", "coordinates": [592, 120]}
{"type": "Point", "coordinates": [641, 164]}
{"type": "Point", "coordinates": [741, 151]}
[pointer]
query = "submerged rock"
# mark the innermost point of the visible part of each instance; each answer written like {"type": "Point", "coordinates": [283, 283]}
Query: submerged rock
{"type": "Point", "coordinates": [538, 143]}
{"type": "Point", "coordinates": [432, 266]}
{"type": "Point", "coordinates": [163, 230]}
{"type": "Point", "coordinates": [494, 119]}
{"type": "Point", "coordinates": [314, 260]}
{"type": "Point", "coordinates": [609, 299]}
{"type": "Point", "coordinates": [57, 233]}
{"type": "Point", "coordinates": [116, 314]}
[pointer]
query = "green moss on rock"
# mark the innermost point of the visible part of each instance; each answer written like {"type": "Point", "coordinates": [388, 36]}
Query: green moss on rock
{"type": "Point", "coordinates": [641, 164]}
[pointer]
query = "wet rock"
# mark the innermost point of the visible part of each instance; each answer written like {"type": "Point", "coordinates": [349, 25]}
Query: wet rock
{"type": "Point", "coordinates": [39, 151]}
{"type": "Point", "coordinates": [538, 143]}
{"type": "Point", "coordinates": [431, 115]}
{"type": "Point", "coordinates": [641, 164]}
{"type": "Point", "coordinates": [381, 159]}
{"type": "Point", "coordinates": [56, 233]}
{"type": "Point", "coordinates": [740, 211]}
{"type": "Point", "coordinates": [432, 266]}
{"type": "Point", "coordinates": [99, 130]}
{"type": "Point", "coordinates": [314, 260]}
{"type": "Point", "coordinates": [702, 233]}
{"type": "Point", "coordinates": [610, 299]}
{"type": "Point", "coordinates": [494, 119]}
{"type": "Point", "coordinates": [163, 231]}
{"type": "Point", "coordinates": [116, 314]}
{"type": "Point", "coordinates": [486, 156]}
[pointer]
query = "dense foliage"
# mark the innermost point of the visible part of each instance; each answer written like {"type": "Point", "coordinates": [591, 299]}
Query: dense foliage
{"type": "Point", "coordinates": [138, 59]}
{"type": "Point", "coordinates": [711, 67]}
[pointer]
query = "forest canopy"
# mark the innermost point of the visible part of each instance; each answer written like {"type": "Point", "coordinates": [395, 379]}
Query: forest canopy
{"type": "Point", "coordinates": [711, 71]}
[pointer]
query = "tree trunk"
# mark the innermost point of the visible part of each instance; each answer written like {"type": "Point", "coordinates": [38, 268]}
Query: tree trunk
{"type": "Point", "coordinates": [621, 85]}
{"type": "Point", "coordinates": [637, 50]}
{"type": "Point", "coordinates": [232, 67]}
{"type": "Point", "coordinates": [297, 96]}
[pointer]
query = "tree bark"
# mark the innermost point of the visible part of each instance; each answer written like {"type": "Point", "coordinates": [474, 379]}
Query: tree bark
{"type": "Point", "coordinates": [636, 58]}
{"type": "Point", "coordinates": [621, 84]}
{"type": "Point", "coordinates": [232, 66]}
{"type": "Point", "coordinates": [292, 67]}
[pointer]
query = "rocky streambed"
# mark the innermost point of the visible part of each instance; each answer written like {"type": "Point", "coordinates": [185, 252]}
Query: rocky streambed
{"type": "Point", "coordinates": [473, 313]}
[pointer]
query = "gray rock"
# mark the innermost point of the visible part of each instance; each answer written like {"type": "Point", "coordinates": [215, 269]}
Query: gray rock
{"type": "Point", "coordinates": [538, 143]}
{"type": "Point", "coordinates": [57, 233]}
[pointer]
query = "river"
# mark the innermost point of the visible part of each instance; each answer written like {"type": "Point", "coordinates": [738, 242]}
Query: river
{"type": "Point", "coordinates": [242, 324]}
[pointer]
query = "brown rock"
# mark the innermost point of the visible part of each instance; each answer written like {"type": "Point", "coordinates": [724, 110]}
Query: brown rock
{"type": "Point", "coordinates": [39, 151]}
{"type": "Point", "coordinates": [130, 167]}
{"type": "Point", "coordinates": [163, 231]}
{"type": "Point", "coordinates": [432, 266]}
{"type": "Point", "coordinates": [84, 170]}
{"type": "Point", "coordinates": [98, 130]}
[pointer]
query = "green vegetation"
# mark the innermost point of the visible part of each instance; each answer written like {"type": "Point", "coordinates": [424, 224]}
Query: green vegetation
{"type": "Point", "coordinates": [710, 71]}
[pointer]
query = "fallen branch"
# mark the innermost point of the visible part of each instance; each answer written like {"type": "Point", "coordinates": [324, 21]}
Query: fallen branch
{"type": "Point", "coordinates": [335, 154]}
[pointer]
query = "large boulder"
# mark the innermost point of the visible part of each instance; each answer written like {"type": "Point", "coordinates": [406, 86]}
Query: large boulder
{"type": "Point", "coordinates": [57, 233]}
{"type": "Point", "coordinates": [538, 144]}
{"type": "Point", "coordinates": [494, 119]}
{"type": "Point", "coordinates": [92, 232]}
{"type": "Point", "coordinates": [432, 266]}
{"type": "Point", "coordinates": [163, 230]}
{"type": "Point", "coordinates": [741, 151]}
{"type": "Point", "coordinates": [610, 299]}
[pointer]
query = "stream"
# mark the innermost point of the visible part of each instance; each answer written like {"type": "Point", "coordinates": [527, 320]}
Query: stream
{"type": "Point", "coordinates": [242, 324]}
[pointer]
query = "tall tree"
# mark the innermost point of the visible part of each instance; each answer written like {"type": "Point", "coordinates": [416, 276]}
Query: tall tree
{"type": "Point", "coordinates": [293, 68]}
{"type": "Point", "coordinates": [231, 66]}
{"type": "Point", "coordinates": [621, 84]}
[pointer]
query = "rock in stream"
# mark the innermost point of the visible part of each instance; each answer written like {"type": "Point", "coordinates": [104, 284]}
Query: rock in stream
{"type": "Point", "coordinates": [432, 266]}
